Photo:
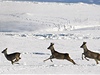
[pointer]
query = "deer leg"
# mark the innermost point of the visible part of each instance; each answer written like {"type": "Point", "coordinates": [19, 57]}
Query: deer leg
{"type": "Point", "coordinates": [96, 61]}
{"type": "Point", "coordinates": [12, 62]}
{"type": "Point", "coordinates": [46, 59]}
{"type": "Point", "coordinates": [82, 55]}
{"type": "Point", "coordinates": [86, 58]}
{"type": "Point", "coordinates": [51, 60]}
{"type": "Point", "coordinates": [17, 59]}
{"type": "Point", "coordinates": [51, 57]}
{"type": "Point", "coordinates": [71, 60]}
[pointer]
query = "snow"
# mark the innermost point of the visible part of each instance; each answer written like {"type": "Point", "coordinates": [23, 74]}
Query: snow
{"type": "Point", "coordinates": [30, 27]}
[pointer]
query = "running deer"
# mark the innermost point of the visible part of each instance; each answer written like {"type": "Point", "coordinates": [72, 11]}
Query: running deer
{"type": "Point", "coordinates": [14, 57]}
{"type": "Point", "coordinates": [58, 55]}
{"type": "Point", "coordinates": [89, 54]}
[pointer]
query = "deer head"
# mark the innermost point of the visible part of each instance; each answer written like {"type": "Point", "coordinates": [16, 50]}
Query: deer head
{"type": "Point", "coordinates": [51, 46]}
{"type": "Point", "coordinates": [5, 50]}
{"type": "Point", "coordinates": [83, 44]}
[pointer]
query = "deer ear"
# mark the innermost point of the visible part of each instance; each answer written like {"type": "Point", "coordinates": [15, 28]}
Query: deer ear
{"type": "Point", "coordinates": [6, 49]}
{"type": "Point", "coordinates": [52, 43]}
{"type": "Point", "coordinates": [84, 42]}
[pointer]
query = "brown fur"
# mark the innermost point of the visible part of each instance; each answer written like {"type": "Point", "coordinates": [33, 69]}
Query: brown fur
{"type": "Point", "coordinates": [11, 57]}
{"type": "Point", "coordinates": [58, 55]}
{"type": "Point", "coordinates": [89, 54]}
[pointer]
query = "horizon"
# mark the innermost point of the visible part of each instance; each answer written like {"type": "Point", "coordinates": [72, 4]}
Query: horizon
{"type": "Point", "coordinates": [63, 1]}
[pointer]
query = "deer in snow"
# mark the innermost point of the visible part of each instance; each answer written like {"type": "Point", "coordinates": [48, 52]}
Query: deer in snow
{"type": "Point", "coordinates": [89, 54]}
{"type": "Point", "coordinates": [14, 57]}
{"type": "Point", "coordinates": [58, 55]}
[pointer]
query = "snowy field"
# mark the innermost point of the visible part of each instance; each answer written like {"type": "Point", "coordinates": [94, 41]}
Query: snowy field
{"type": "Point", "coordinates": [30, 27]}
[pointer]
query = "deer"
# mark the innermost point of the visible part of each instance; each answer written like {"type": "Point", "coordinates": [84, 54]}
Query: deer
{"type": "Point", "coordinates": [89, 54]}
{"type": "Point", "coordinates": [58, 55]}
{"type": "Point", "coordinates": [14, 57]}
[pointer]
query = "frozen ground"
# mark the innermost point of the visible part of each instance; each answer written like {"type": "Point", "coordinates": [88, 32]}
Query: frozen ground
{"type": "Point", "coordinates": [30, 27]}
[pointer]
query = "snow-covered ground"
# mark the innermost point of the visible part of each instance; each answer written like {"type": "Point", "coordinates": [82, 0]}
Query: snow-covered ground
{"type": "Point", "coordinates": [30, 27]}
